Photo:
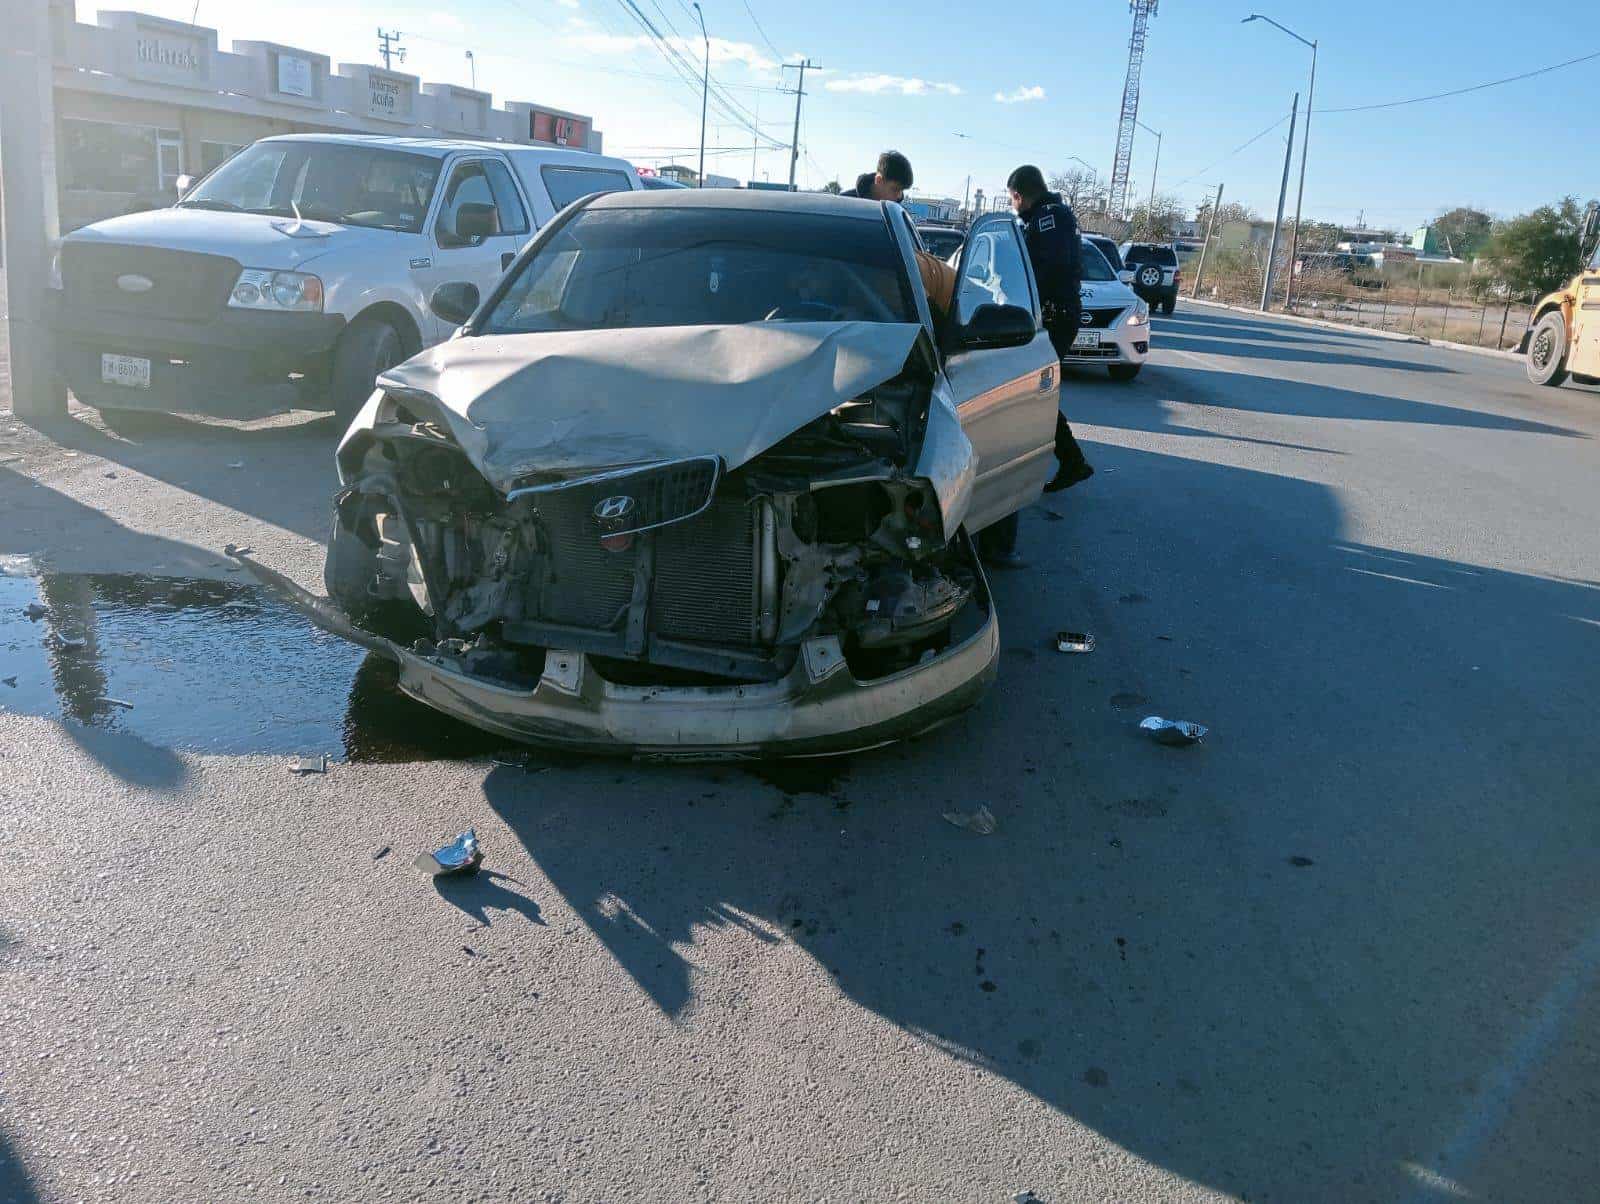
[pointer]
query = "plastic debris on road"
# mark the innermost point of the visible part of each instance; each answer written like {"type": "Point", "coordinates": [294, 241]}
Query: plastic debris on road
{"type": "Point", "coordinates": [236, 464]}
{"type": "Point", "coordinates": [116, 702]}
{"type": "Point", "coordinates": [317, 763]}
{"type": "Point", "coordinates": [35, 612]}
{"type": "Point", "coordinates": [1074, 641]}
{"type": "Point", "coordinates": [1176, 732]}
{"type": "Point", "coordinates": [981, 821]}
{"type": "Point", "coordinates": [461, 854]}
{"type": "Point", "coordinates": [235, 550]}
{"type": "Point", "coordinates": [67, 643]}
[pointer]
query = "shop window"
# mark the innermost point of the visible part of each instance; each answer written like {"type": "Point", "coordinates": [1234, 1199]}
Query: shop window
{"type": "Point", "coordinates": [100, 156]}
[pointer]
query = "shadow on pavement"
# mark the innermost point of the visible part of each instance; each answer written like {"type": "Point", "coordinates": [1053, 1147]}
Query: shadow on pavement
{"type": "Point", "coordinates": [1279, 964]}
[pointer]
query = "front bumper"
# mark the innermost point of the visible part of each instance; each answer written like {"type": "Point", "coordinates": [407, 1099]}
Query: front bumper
{"type": "Point", "coordinates": [818, 709]}
{"type": "Point", "coordinates": [240, 363]}
{"type": "Point", "coordinates": [1119, 345]}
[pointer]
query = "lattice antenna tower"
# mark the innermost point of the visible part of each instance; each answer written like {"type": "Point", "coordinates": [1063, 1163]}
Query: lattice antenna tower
{"type": "Point", "coordinates": [1142, 11]}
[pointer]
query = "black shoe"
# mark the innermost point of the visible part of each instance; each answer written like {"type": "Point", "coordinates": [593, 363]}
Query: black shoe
{"type": "Point", "coordinates": [1005, 561]}
{"type": "Point", "coordinates": [1069, 475]}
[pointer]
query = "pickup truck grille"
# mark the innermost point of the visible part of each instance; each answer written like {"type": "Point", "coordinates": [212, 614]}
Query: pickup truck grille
{"type": "Point", "coordinates": [184, 285]}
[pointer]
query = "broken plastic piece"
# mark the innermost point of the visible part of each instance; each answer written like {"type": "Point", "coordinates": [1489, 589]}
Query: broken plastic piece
{"type": "Point", "coordinates": [236, 464]}
{"type": "Point", "coordinates": [67, 643]}
{"type": "Point", "coordinates": [981, 821]}
{"type": "Point", "coordinates": [1074, 641]}
{"type": "Point", "coordinates": [35, 612]}
{"type": "Point", "coordinates": [310, 764]}
{"type": "Point", "coordinates": [1173, 731]}
{"type": "Point", "coordinates": [236, 550]}
{"type": "Point", "coordinates": [461, 854]}
{"type": "Point", "coordinates": [117, 702]}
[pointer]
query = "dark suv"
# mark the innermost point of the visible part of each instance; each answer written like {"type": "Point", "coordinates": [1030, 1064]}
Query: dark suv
{"type": "Point", "coordinates": [1156, 275]}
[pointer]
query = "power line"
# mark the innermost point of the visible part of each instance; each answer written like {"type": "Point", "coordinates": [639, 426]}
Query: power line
{"type": "Point", "coordinates": [778, 54]}
{"type": "Point", "coordinates": [1232, 153]}
{"type": "Point", "coordinates": [1493, 83]}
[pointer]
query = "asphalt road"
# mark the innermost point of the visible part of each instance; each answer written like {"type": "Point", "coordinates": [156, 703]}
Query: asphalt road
{"type": "Point", "coordinates": [1346, 950]}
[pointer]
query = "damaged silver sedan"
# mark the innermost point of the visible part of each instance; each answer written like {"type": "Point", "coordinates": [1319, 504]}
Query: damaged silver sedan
{"type": "Point", "coordinates": [698, 479]}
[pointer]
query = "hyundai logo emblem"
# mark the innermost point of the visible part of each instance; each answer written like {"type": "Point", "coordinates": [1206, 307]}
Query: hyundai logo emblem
{"type": "Point", "coordinates": [133, 283]}
{"type": "Point", "coordinates": [614, 509]}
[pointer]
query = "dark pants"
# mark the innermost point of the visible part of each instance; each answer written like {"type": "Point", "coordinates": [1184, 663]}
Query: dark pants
{"type": "Point", "coordinates": [1063, 326]}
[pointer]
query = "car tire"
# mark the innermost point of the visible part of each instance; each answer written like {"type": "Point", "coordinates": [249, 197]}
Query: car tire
{"type": "Point", "coordinates": [1168, 304]}
{"type": "Point", "coordinates": [370, 346]}
{"type": "Point", "coordinates": [1547, 350]}
{"type": "Point", "coordinates": [1123, 372]}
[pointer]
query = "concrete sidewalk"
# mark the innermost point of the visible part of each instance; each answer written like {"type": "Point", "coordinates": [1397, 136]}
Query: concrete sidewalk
{"type": "Point", "coordinates": [1393, 336]}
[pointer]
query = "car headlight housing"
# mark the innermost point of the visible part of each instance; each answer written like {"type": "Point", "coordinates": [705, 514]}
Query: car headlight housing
{"type": "Point", "coordinates": [1140, 315]}
{"type": "Point", "coordinates": [282, 292]}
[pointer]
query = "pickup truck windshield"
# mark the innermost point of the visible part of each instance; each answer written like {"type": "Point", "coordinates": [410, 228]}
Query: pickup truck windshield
{"type": "Point", "coordinates": [611, 269]}
{"type": "Point", "coordinates": [326, 181]}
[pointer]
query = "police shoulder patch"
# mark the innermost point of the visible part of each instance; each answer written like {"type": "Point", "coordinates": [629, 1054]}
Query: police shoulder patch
{"type": "Point", "coordinates": [1047, 222]}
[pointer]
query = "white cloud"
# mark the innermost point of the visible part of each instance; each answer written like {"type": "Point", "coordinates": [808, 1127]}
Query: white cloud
{"type": "Point", "coordinates": [876, 85]}
{"type": "Point", "coordinates": [567, 3]}
{"type": "Point", "coordinates": [1019, 95]}
{"type": "Point", "coordinates": [723, 51]}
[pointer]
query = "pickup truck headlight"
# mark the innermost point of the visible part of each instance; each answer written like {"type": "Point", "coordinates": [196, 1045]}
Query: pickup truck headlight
{"type": "Point", "coordinates": [262, 288]}
{"type": "Point", "coordinates": [1140, 315]}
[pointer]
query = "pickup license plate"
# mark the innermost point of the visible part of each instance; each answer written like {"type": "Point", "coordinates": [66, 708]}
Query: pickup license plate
{"type": "Point", "coordinates": [1087, 338]}
{"type": "Point", "coordinates": [129, 371]}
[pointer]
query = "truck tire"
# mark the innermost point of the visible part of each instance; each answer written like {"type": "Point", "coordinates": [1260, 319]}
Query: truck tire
{"type": "Point", "coordinates": [368, 347]}
{"type": "Point", "coordinates": [1123, 372]}
{"type": "Point", "coordinates": [1547, 350]}
{"type": "Point", "coordinates": [1169, 303]}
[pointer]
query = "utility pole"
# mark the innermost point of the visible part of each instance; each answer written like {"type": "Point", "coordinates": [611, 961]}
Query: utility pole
{"type": "Point", "coordinates": [1211, 228]}
{"type": "Point", "coordinates": [472, 61]}
{"type": "Point", "coordinates": [705, 94]}
{"type": "Point", "coordinates": [799, 93]}
{"type": "Point", "coordinates": [1283, 195]}
{"type": "Point", "coordinates": [1305, 143]}
{"type": "Point", "coordinates": [389, 45]}
{"type": "Point", "coordinates": [28, 183]}
{"type": "Point", "coordinates": [1157, 167]}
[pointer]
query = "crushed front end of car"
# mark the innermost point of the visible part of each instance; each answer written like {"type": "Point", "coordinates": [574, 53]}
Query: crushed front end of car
{"type": "Point", "coordinates": [755, 553]}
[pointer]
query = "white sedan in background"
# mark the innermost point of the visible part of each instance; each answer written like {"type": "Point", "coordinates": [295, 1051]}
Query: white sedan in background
{"type": "Point", "coordinates": [1115, 324]}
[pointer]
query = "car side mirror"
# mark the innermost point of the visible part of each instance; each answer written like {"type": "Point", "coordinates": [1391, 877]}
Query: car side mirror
{"type": "Point", "coordinates": [993, 326]}
{"type": "Point", "coordinates": [1125, 275]}
{"type": "Point", "coordinates": [454, 302]}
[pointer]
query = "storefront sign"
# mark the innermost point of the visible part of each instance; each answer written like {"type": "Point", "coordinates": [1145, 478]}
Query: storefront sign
{"type": "Point", "coordinates": [175, 60]}
{"type": "Point", "coordinates": [386, 96]}
{"type": "Point", "coordinates": [294, 75]}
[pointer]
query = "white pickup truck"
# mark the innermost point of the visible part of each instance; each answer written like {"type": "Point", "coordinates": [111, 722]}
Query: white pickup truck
{"type": "Point", "coordinates": [301, 268]}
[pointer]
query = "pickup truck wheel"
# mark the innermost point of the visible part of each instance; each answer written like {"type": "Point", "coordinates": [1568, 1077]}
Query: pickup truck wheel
{"type": "Point", "coordinates": [1168, 304]}
{"type": "Point", "coordinates": [368, 347]}
{"type": "Point", "coordinates": [1547, 350]}
{"type": "Point", "coordinates": [1123, 371]}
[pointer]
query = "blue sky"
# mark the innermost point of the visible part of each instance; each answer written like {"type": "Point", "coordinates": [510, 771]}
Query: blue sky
{"type": "Point", "coordinates": [969, 89]}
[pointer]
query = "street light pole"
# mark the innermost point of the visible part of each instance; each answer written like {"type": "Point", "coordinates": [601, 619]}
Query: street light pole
{"type": "Point", "coordinates": [705, 92]}
{"type": "Point", "coordinates": [1157, 167]}
{"type": "Point", "coordinates": [1305, 143]}
{"type": "Point", "coordinates": [1277, 225]}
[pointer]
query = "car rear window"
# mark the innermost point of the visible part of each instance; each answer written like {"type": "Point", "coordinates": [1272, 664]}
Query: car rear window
{"type": "Point", "coordinates": [1145, 254]}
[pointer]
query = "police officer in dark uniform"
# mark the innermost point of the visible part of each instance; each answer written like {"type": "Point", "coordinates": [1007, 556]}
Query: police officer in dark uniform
{"type": "Point", "coordinates": [1051, 231]}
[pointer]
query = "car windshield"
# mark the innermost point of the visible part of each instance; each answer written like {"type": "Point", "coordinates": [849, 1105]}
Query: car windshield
{"type": "Point", "coordinates": [1109, 250]}
{"type": "Point", "coordinates": [943, 243]}
{"type": "Point", "coordinates": [351, 184]}
{"type": "Point", "coordinates": [1142, 254]}
{"type": "Point", "coordinates": [1094, 263]}
{"type": "Point", "coordinates": [608, 269]}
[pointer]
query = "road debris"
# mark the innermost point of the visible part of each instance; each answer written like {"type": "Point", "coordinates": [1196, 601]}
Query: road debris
{"type": "Point", "coordinates": [1026, 1197]}
{"type": "Point", "coordinates": [116, 702]}
{"type": "Point", "coordinates": [1074, 641]}
{"type": "Point", "coordinates": [981, 821]}
{"type": "Point", "coordinates": [236, 464]}
{"type": "Point", "coordinates": [35, 612]}
{"type": "Point", "coordinates": [235, 550]}
{"type": "Point", "coordinates": [317, 763]}
{"type": "Point", "coordinates": [1176, 732]}
{"type": "Point", "coordinates": [460, 855]}
{"type": "Point", "coordinates": [9, 681]}
{"type": "Point", "coordinates": [381, 853]}
{"type": "Point", "coordinates": [66, 643]}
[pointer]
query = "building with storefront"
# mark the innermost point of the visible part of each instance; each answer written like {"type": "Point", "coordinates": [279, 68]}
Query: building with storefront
{"type": "Point", "coordinates": [140, 100]}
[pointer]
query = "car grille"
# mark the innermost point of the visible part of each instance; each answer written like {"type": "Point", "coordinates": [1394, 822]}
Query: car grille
{"type": "Point", "coordinates": [185, 285]}
{"type": "Point", "coordinates": [705, 579]}
{"type": "Point", "coordinates": [659, 493]}
{"type": "Point", "coordinates": [1099, 319]}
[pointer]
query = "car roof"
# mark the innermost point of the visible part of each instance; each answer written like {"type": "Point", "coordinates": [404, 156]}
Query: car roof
{"type": "Point", "coordinates": [440, 147]}
{"type": "Point", "coordinates": [818, 203]}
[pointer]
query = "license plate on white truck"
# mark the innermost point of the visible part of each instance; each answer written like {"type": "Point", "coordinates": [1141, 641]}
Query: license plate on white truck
{"type": "Point", "coordinates": [129, 371]}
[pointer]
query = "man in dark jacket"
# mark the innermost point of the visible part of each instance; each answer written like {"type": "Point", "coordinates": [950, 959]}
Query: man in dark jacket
{"type": "Point", "coordinates": [888, 183]}
{"type": "Point", "coordinates": [1051, 231]}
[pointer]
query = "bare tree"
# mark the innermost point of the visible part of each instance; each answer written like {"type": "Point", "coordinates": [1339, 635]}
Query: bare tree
{"type": "Point", "coordinates": [1159, 218]}
{"type": "Point", "coordinates": [1080, 188]}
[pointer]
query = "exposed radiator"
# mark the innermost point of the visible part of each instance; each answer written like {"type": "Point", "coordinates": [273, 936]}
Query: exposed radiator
{"type": "Point", "coordinates": [706, 579]}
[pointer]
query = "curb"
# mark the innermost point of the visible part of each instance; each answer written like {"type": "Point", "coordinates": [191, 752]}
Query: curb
{"type": "Point", "coordinates": [1392, 335]}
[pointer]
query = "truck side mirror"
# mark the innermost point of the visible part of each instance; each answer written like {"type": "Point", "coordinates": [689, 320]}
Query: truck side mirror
{"type": "Point", "coordinates": [184, 184]}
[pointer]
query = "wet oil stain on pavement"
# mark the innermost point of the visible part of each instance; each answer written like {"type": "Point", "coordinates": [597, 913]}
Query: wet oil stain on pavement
{"type": "Point", "coordinates": [206, 666]}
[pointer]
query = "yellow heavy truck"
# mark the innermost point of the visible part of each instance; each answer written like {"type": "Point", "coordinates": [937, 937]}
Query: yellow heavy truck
{"type": "Point", "coordinates": [1563, 335]}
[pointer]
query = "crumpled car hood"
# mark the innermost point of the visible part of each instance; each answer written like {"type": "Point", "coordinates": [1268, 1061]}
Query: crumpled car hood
{"type": "Point", "coordinates": [548, 406]}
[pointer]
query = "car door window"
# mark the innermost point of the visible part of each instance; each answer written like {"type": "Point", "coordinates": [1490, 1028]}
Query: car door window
{"type": "Point", "coordinates": [513, 217]}
{"type": "Point", "coordinates": [469, 213]}
{"type": "Point", "coordinates": [996, 273]}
